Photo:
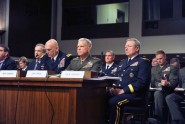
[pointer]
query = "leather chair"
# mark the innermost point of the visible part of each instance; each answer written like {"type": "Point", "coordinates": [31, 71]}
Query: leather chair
{"type": "Point", "coordinates": [138, 109]}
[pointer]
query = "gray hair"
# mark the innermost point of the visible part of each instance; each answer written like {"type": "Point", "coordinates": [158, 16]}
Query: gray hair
{"type": "Point", "coordinates": [41, 45]}
{"type": "Point", "coordinates": [137, 42]}
{"type": "Point", "coordinates": [110, 51]}
{"type": "Point", "coordinates": [87, 41]}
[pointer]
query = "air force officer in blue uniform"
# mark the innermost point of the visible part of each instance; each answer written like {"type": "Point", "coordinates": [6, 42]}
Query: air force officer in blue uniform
{"type": "Point", "coordinates": [135, 73]}
{"type": "Point", "coordinates": [109, 67]}
{"type": "Point", "coordinates": [39, 62]}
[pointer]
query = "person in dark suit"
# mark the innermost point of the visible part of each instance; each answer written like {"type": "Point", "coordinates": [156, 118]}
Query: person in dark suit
{"type": "Point", "coordinates": [164, 76]}
{"type": "Point", "coordinates": [109, 68]}
{"type": "Point", "coordinates": [174, 99]}
{"type": "Point", "coordinates": [57, 60]}
{"type": "Point", "coordinates": [85, 62]}
{"type": "Point", "coordinates": [23, 63]}
{"type": "Point", "coordinates": [135, 73]}
{"type": "Point", "coordinates": [40, 58]}
{"type": "Point", "coordinates": [6, 62]}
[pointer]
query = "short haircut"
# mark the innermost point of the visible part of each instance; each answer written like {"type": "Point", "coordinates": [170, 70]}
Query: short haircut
{"type": "Point", "coordinates": [6, 49]}
{"type": "Point", "coordinates": [137, 42]}
{"type": "Point", "coordinates": [173, 60]}
{"type": "Point", "coordinates": [41, 45]}
{"type": "Point", "coordinates": [87, 41]}
{"type": "Point", "coordinates": [23, 59]}
{"type": "Point", "coordinates": [160, 52]}
{"type": "Point", "coordinates": [110, 51]}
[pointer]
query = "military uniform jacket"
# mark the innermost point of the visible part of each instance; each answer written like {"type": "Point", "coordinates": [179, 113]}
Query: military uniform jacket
{"type": "Point", "coordinates": [110, 71]}
{"type": "Point", "coordinates": [61, 62]}
{"type": "Point", "coordinates": [89, 64]}
{"type": "Point", "coordinates": [40, 66]}
{"type": "Point", "coordinates": [170, 72]}
{"type": "Point", "coordinates": [135, 76]}
{"type": "Point", "coordinates": [8, 64]}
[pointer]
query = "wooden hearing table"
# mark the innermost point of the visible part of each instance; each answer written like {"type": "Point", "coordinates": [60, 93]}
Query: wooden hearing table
{"type": "Point", "coordinates": [52, 101]}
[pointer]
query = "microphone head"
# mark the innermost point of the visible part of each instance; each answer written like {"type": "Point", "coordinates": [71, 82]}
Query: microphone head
{"type": "Point", "coordinates": [36, 55]}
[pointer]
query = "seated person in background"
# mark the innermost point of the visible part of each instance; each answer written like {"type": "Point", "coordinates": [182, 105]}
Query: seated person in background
{"type": "Point", "coordinates": [6, 62]}
{"type": "Point", "coordinates": [85, 62]}
{"type": "Point", "coordinates": [154, 62]}
{"type": "Point", "coordinates": [175, 62]}
{"type": "Point", "coordinates": [109, 67]}
{"type": "Point", "coordinates": [174, 99]}
{"type": "Point", "coordinates": [57, 60]}
{"type": "Point", "coordinates": [135, 73]}
{"type": "Point", "coordinates": [39, 62]}
{"type": "Point", "coordinates": [166, 76]}
{"type": "Point", "coordinates": [22, 63]}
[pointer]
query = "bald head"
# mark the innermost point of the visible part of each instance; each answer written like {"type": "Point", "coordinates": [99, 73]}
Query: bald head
{"type": "Point", "coordinates": [52, 48]}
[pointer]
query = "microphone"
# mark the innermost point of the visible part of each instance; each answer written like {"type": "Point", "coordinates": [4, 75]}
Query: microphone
{"type": "Point", "coordinates": [36, 55]}
{"type": "Point", "coordinates": [164, 77]}
{"type": "Point", "coordinates": [101, 55]}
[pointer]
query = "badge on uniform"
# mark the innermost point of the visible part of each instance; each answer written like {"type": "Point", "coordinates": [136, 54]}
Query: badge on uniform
{"type": "Point", "coordinates": [61, 63]}
{"type": "Point", "coordinates": [131, 75]}
{"type": "Point", "coordinates": [166, 69]}
{"type": "Point", "coordinates": [114, 70]}
{"type": "Point", "coordinates": [88, 65]}
{"type": "Point", "coordinates": [134, 64]}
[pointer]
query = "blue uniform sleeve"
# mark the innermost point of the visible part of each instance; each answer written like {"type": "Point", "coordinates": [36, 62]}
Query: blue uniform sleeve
{"type": "Point", "coordinates": [142, 80]}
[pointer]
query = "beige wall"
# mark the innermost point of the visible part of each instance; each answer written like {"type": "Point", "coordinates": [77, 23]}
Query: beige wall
{"type": "Point", "coordinates": [150, 44]}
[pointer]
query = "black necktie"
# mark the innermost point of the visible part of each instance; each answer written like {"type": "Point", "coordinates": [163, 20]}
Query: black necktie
{"type": "Point", "coordinates": [107, 67]}
{"type": "Point", "coordinates": [52, 60]}
{"type": "Point", "coordinates": [129, 60]}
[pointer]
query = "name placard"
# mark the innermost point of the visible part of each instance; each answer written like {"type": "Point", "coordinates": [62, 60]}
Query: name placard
{"type": "Point", "coordinates": [72, 74]}
{"type": "Point", "coordinates": [37, 73]}
{"type": "Point", "coordinates": [8, 73]}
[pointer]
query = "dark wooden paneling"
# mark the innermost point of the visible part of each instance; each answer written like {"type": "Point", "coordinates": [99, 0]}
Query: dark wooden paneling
{"type": "Point", "coordinates": [29, 24]}
{"type": "Point", "coordinates": [96, 31]}
{"type": "Point", "coordinates": [37, 104]}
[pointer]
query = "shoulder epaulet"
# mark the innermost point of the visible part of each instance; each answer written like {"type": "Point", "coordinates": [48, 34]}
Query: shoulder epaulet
{"type": "Point", "coordinates": [68, 55]}
{"type": "Point", "coordinates": [146, 59]}
{"type": "Point", "coordinates": [77, 58]}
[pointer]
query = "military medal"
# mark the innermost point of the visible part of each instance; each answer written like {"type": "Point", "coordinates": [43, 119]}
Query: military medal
{"type": "Point", "coordinates": [131, 75]}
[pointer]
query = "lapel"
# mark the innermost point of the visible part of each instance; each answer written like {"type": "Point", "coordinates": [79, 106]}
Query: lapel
{"type": "Point", "coordinates": [164, 67]}
{"type": "Point", "coordinates": [126, 65]}
{"type": "Point", "coordinates": [4, 63]}
{"type": "Point", "coordinates": [84, 63]}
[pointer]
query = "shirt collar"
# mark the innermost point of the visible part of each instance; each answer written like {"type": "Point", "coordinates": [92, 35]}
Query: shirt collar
{"type": "Point", "coordinates": [109, 64]}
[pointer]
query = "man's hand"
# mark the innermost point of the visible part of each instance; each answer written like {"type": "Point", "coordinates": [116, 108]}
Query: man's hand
{"type": "Point", "coordinates": [165, 82]}
{"type": "Point", "coordinates": [115, 91]}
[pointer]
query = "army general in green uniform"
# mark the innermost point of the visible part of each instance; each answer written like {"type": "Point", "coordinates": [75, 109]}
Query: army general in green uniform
{"type": "Point", "coordinates": [85, 62]}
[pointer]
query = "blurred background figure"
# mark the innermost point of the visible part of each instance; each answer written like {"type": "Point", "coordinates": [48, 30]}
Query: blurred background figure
{"type": "Point", "coordinates": [175, 62]}
{"type": "Point", "coordinates": [22, 63]}
{"type": "Point", "coordinates": [109, 68]}
{"type": "Point", "coordinates": [154, 62]}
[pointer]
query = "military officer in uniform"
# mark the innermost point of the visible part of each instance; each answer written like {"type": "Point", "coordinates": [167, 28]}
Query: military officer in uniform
{"type": "Point", "coordinates": [164, 76]}
{"type": "Point", "coordinates": [84, 61]}
{"type": "Point", "coordinates": [39, 62]}
{"type": "Point", "coordinates": [174, 99]}
{"type": "Point", "coordinates": [135, 73]}
{"type": "Point", "coordinates": [109, 68]}
{"type": "Point", "coordinates": [57, 60]}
